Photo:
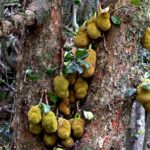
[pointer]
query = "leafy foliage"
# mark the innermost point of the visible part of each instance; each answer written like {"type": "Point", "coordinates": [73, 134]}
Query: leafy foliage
{"type": "Point", "coordinates": [75, 63]}
{"type": "Point", "coordinates": [53, 98]}
{"type": "Point", "coordinates": [146, 87]}
{"type": "Point", "coordinates": [130, 92]}
{"type": "Point", "coordinates": [116, 20]}
{"type": "Point", "coordinates": [51, 71]}
{"type": "Point", "coordinates": [135, 2]}
{"type": "Point", "coordinates": [31, 75]}
{"type": "Point", "coordinates": [45, 108]}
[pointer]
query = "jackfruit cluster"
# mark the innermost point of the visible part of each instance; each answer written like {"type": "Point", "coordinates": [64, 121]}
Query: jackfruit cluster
{"type": "Point", "coordinates": [145, 40]}
{"type": "Point", "coordinates": [81, 88]}
{"type": "Point", "coordinates": [143, 94]}
{"type": "Point", "coordinates": [92, 29]}
{"type": "Point", "coordinates": [91, 60]}
{"type": "Point", "coordinates": [64, 107]}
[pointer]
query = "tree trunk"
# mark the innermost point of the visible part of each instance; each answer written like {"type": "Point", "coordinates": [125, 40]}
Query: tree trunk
{"type": "Point", "coordinates": [115, 61]}
{"type": "Point", "coordinates": [106, 95]}
{"type": "Point", "coordinates": [40, 51]}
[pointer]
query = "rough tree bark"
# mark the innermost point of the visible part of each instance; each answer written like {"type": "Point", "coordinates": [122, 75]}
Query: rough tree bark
{"type": "Point", "coordinates": [40, 50]}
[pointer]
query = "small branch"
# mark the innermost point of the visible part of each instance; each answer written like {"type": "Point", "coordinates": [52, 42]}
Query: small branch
{"type": "Point", "coordinates": [147, 132]}
{"type": "Point", "coordinates": [105, 46]}
{"type": "Point", "coordinates": [74, 19]}
{"type": "Point", "coordinates": [135, 137]}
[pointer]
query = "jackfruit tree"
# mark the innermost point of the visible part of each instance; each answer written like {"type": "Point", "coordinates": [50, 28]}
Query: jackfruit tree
{"type": "Point", "coordinates": [85, 54]}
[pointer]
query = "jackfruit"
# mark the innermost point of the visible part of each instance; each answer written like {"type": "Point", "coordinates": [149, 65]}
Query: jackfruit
{"type": "Point", "coordinates": [72, 77]}
{"type": "Point", "coordinates": [92, 29]}
{"type": "Point", "coordinates": [91, 60]}
{"type": "Point", "coordinates": [81, 39]}
{"type": "Point", "coordinates": [34, 114]}
{"type": "Point", "coordinates": [78, 127]}
{"type": "Point", "coordinates": [49, 122]}
{"type": "Point", "coordinates": [64, 107]}
{"type": "Point", "coordinates": [143, 95]}
{"type": "Point", "coordinates": [50, 140]}
{"type": "Point", "coordinates": [145, 41]}
{"type": "Point", "coordinates": [103, 21]}
{"type": "Point", "coordinates": [35, 128]}
{"type": "Point", "coordinates": [81, 88]}
{"type": "Point", "coordinates": [64, 128]}
{"type": "Point", "coordinates": [72, 97]}
{"type": "Point", "coordinates": [68, 143]}
{"type": "Point", "coordinates": [61, 86]}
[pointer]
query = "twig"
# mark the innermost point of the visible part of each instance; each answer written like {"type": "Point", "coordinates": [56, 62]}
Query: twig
{"type": "Point", "coordinates": [74, 18]}
{"type": "Point", "coordinates": [105, 46]}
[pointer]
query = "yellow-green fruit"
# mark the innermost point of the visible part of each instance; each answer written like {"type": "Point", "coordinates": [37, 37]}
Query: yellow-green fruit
{"type": "Point", "coordinates": [91, 60]}
{"type": "Point", "coordinates": [61, 86]}
{"type": "Point", "coordinates": [64, 128]}
{"type": "Point", "coordinates": [50, 140]}
{"type": "Point", "coordinates": [81, 39]}
{"type": "Point", "coordinates": [92, 29]}
{"type": "Point", "coordinates": [78, 127]}
{"type": "Point", "coordinates": [64, 107]}
{"type": "Point", "coordinates": [72, 78]}
{"type": "Point", "coordinates": [35, 128]}
{"type": "Point", "coordinates": [49, 122]}
{"type": "Point", "coordinates": [72, 97]}
{"type": "Point", "coordinates": [145, 41]}
{"type": "Point", "coordinates": [81, 88]}
{"type": "Point", "coordinates": [34, 114]}
{"type": "Point", "coordinates": [68, 142]}
{"type": "Point", "coordinates": [58, 149]}
{"type": "Point", "coordinates": [103, 21]}
{"type": "Point", "coordinates": [143, 95]}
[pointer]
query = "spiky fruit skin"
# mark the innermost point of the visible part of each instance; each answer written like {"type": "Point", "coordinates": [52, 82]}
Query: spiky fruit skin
{"type": "Point", "coordinates": [64, 128]}
{"type": "Point", "coordinates": [103, 21]}
{"type": "Point", "coordinates": [68, 143]}
{"type": "Point", "coordinates": [64, 107]}
{"type": "Point", "coordinates": [81, 40]}
{"type": "Point", "coordinates": [92, 30]}
{"type": "Point", "coordinates": [91, 60]}
{"type": "Point", "coordinates": [145, 41]}
{"type": "Point", "coordinates": [72, 97]}
{"type": "Point", "coordinates": [61, 86]}
{"type": "Point", "coordinates": [81, 88]}
{"type": "Point", "coordinates": [35, 128]}
{"type": "Point", "coordinates": [34, 114]}
{"type": "Point", "coordinates": [143, 95]}
{"type": "Point", "coordinates": [72, 77]}
{"type": "Point", "coordinates": [49, 122]}
{"type": "Point", "coordinates": [78, 127]}
{"type": "Point", "coordinates": [50, 140]}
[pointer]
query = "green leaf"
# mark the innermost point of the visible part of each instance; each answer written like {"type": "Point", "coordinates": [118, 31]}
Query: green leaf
{"type": "Point", "coordinates": [68, 56]}
{"type": "Point", "coordinates": [73, 67]}
{"type": "Point", "coordinates": [31, 75]}
{"type": "Point", "coordinates": [53, 98]}
{"type": "Point", "coordinates": [135, 2]}
{"type": "Point", "coordinates": [45, 108]}
{"type": "Point", "coordinates": [88, 115]}
{"type": "Point", "coordinates": [2, 95]}
{"type": "Point", "coordinates": [146, 87]}
{"type": "Point", "coordinates": [147, 74]}
{"type": "Point", "coordinates": [51, 71]}
{"type": "Point", "coordinates": [116, 20]}
{"type": "Point", "coordinates": [82, 62]}
{"type": "Point", "coordinates": [81, 53]}
{"type": "Point", "coordinates": [78, 2]}
{"type": "Point", "coordinates": [130, 92]}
